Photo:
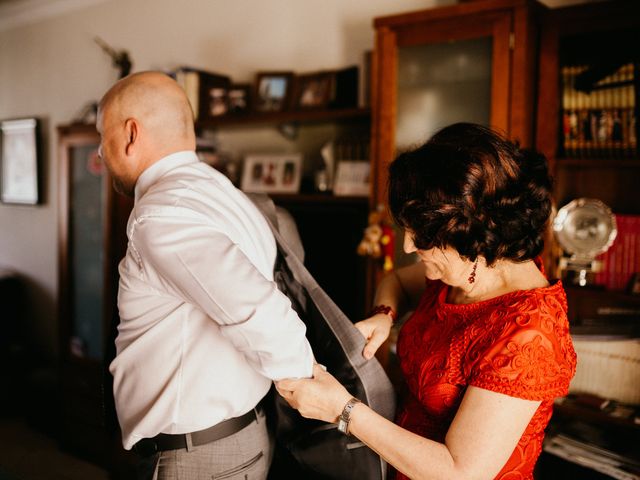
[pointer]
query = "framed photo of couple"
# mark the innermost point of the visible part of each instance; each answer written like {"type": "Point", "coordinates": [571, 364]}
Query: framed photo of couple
{"type": "Point", "coordinates": [272, 173]}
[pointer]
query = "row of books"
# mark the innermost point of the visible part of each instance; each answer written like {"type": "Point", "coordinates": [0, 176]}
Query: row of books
{"type": "Point", "coordinates": [622, 260]}
{"type": "Point", "coordinates": [599, 118]}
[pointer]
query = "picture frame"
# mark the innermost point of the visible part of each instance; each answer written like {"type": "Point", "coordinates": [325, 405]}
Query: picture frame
{"type": "Point", "coordinates": [265, 173]}
{"type": "Point", "coordinates": [352, 178]}
{"type": "Point", "coordinates": [217, 101]}
{"type": "Point", "coordinates": [273, 91]}
{"type": "Point", "coordinates": [313, 90]}
{"type": "Point", "coordinates": [239, 99]}
{"type": "Point", "coordinates": [20, 161]}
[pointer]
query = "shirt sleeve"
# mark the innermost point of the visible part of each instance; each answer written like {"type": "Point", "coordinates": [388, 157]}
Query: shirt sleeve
{"type": "Point", "coordinates": [531, 358]}
{"type": "Point", "coordinates": [202, 266]}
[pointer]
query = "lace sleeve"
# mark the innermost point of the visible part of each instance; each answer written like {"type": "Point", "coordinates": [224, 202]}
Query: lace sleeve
{"type": "Point", "coordinates": [531, 357]}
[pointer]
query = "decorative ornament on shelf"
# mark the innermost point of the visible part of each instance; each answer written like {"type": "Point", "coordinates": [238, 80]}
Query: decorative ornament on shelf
{"type": "Point", "coordinates": [378, 240]}
{"type": "Point", "coordinates": [584, 228]}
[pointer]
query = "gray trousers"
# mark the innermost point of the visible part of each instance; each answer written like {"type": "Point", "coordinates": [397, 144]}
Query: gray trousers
{"type": "Point", "coordinates": [245, 455]}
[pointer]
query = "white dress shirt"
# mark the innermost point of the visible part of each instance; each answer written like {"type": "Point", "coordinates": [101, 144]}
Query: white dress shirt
{"type": "Point", "coordinates": [203, 327]}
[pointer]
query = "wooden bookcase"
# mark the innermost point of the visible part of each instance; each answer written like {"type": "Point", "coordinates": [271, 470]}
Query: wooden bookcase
{"type": "Point", "coordinates": [587, 36]}
{"type": "Point", "coordinates": [592, 34]}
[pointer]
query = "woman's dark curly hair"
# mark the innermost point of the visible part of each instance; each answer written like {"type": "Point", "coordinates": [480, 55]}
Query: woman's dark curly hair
{"type": "Point", "coordinates": [471, 189]}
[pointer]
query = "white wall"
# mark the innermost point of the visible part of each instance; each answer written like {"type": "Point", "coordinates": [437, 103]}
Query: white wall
{"type": "Point", "coordinates": [51, 68]}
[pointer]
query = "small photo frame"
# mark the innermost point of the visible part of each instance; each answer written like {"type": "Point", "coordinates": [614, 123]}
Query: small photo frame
{"type": "Point", "coordinates": [352, 178]}
{"type": "Point", "coordinates": [313, 90]}
{"type": "Point", "coordinates": [239, 99]}
{"type": "Point", "coordinates": [217, 101]}
{"type": "Point", "coordinates": [273, 91]}
{"type": "Point", "coordinates": [272, 173]}
{"type": "Point", "coordinates": [20, 161]}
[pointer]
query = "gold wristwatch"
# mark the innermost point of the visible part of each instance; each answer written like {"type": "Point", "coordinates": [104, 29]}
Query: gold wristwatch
{"type": "Point", "coordinates": [345, 416]}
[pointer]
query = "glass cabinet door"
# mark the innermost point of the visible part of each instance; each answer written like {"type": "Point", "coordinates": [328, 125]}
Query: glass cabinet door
{"type": "Point", "coordinates": [440, 84]}
{"type": "Point", "coordinates": [87, 252]}
{"type": "Point", "coordinates": [91, 241]}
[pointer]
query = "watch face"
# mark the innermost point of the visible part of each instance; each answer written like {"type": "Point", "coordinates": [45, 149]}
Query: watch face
{"type": "Point", "coordinates": [585, 227]}
{"type": "Point", "coordinates": [342, 426]}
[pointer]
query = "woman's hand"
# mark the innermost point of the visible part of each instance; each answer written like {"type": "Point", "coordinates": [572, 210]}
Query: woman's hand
{"type": "Point", "coordinates": [375, 330]}
{"type": "Point", "coordinates": [321, 397]}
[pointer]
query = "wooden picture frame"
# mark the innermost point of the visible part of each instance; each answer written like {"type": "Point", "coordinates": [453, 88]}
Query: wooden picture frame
{"type": "Point", "coordinates": [273, 91]}
{"type": "Point", "coordinates": [20, 161]}
{"type": "Point", "coordinates": [314, 90]}
{"type": "Point", "coordinates": [239, 99]}
{"type": "Point", "coordinates": [272, 173]}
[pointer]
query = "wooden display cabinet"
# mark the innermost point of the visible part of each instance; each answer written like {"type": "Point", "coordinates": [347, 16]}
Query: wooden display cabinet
{"type": "Point", "coordinates": [469, 62]}
{"type": "Point", "coordinates": [600, 36]}
{"type": "Point", "coordinates": [601, 39]}
{"type": "Point", "coordinates": [472, 62]}
{"type": "Point", "coordinates": [91, 241]}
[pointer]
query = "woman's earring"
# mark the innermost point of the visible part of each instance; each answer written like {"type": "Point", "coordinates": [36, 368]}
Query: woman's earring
{"type": "Point", "coordinates": [472, 277]}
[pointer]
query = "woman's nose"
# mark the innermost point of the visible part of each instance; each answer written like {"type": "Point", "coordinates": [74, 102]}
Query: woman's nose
{"type": "Point", "coordinates": [408, 245]}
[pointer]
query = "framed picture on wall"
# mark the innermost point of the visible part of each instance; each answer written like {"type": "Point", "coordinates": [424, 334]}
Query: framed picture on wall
{"type": "Point", "coordinates": [273, 91]}
{"type": "Point", "coordinates": [19, 161]}
{"type": "Point", "coordinates": [272, 173]}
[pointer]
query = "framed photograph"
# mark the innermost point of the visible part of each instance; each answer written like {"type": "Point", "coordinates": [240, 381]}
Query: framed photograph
{"type": "Point", "coordinates": [313, 90]}
{"type": "Point", "coordinates": [272, 173]}
{"type": "Point", "coordinates": [19, 160]}
{"type": "Point", "coordinates": [239, 98]}
{"type": "Point", "coordinates": [217, 101]}
{"type": "Point", "coordinates": [352, 178]}
{"type": "Point", "coordinates": [273, 91]}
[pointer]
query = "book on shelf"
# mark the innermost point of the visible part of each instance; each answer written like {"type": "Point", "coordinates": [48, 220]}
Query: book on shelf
{"type": "Point", "coordinates": [622, 260]}
{"type": "Point", "coordinates": [598, 118]}
{"type": "Point", "coordinates": [206, 91]}
{"type": "Point", "coordinates": [587, 454]}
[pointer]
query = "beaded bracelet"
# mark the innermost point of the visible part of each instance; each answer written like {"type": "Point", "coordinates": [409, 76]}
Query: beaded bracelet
{"type": "Point", "coordinates": [386, 309]}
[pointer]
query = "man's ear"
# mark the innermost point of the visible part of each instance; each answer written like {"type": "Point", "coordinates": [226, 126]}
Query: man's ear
{"type": "Point", "coordinates": [132, 132]}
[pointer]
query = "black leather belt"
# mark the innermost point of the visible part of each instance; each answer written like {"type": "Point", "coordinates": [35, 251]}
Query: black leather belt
{"type": "Point", "coordinates": [166, 441]}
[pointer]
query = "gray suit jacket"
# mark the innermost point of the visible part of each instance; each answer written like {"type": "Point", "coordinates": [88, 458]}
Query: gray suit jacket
{"type": "Point", "coordinates": [318, 447]}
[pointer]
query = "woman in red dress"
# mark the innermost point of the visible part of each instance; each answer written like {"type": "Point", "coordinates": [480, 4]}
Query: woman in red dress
{"type": "Point", "coordinates": [487, 348]}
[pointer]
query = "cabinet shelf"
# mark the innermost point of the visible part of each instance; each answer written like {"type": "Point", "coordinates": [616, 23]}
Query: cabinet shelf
{"type": "Point", "coordinates": [310, 116]}
{"type": "Point", "coordinates": [570, 410]}
{"type": "Point", "coordinates": [318, 198]}
{"type": "Point", "coordinates": [598, 162]}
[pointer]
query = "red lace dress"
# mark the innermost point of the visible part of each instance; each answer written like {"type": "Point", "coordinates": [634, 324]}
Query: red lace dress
{"type": "Point", "coordinates": [517, 344]}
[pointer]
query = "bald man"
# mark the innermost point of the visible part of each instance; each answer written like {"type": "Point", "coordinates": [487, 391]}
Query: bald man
{"type": "Point", "coordinates": [203, 328]}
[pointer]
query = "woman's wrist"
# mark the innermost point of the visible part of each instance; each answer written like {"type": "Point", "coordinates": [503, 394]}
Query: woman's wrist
{"type": "Point", "coordinates": [386, 309]}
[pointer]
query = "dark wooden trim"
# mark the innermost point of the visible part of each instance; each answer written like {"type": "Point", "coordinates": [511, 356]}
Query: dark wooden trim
{"type": "Point", "coordinates": [307, 116]}
{"type": "Point", "coordinates": [455, 12]}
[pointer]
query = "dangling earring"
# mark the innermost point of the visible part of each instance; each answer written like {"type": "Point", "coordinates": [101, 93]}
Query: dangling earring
{"type": "Point", "coordinates": [472, 277]}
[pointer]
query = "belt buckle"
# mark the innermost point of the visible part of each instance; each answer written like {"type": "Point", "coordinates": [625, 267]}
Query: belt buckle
{"type": "Point", "coordinates": [146, 447]}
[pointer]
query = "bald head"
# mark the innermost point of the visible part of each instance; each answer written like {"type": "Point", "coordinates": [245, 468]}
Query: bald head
{"type": "Point", "coordinates": [141, 119]}
{"type": "Point", "coordinates": [157, 102]}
